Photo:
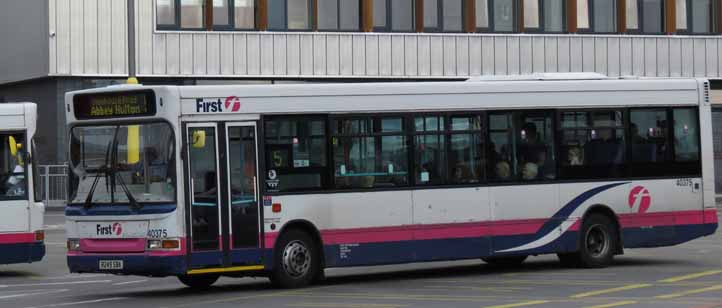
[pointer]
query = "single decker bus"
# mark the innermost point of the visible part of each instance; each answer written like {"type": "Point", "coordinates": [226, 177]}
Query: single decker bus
{"type": "Point", "coordinates": [22, 238]}
{"type": "Point", "coordinates": [284, 181]}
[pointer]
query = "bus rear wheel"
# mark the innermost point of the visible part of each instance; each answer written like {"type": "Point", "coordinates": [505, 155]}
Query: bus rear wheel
{"type": "Point", "coordinates": [597, 244]}
{"type": "Point", "coordinates": [505, 261]}
{"type": "Point", "coordinates": [297, 261]}
{"type": "Point", "coordinates": [198, 281]}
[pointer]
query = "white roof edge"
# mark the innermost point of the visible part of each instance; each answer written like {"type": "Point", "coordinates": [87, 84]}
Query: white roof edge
{"type": "Point", "coordinates": [543, 76]}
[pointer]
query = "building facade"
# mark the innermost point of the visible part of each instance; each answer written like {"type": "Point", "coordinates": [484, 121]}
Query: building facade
{"type": "Point", "coordinates": [53, 46]}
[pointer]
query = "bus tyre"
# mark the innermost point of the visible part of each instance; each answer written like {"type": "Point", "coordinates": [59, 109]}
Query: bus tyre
{"type": "Point", "coordinates": [505, 261]}
{"type": "Point", "coordinates": [296, 260]}
{"type": "Point", "coordinates": [198, 281]}
{"type": "Point", "coordinates": [597, 242]}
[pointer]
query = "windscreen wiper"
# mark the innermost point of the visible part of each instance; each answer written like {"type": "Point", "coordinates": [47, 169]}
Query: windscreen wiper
{"type": "Point", "coordinates": [113, 174]}
{"type": "Point", "coordinates": [104, 170]}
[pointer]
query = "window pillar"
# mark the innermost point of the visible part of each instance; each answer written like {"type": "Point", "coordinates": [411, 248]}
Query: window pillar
{"type": "Point", "coordinates": [572, 16]}
{"type": "Point", "coordinates": [520, 16]}
{"type": "Point", "coordinates": [367, 15]}
{"type": "Point", "coordinates": [314, 15]}
{"type": "Point", "coordinates": [419, 15]}
{"type": "Point", "coordinates": [208, 14]}
{"type": "Point", "coordinates": [718, 16]}
{"type": "Point", "coordinates": [670, 15]}
{"type": "Point", "coordinates": [262, 15]}
{"type": "Point", "coordinates": [469, 7]}
{"type": "Point", "coordinates": [622, 15]}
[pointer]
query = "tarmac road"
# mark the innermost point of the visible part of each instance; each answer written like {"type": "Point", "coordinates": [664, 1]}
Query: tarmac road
{"type": "Point", "coordinates": [688, 275]}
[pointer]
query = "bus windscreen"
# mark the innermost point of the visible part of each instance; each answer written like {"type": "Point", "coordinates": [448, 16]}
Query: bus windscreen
{"type": "Point", "coordinates": [114, 105]}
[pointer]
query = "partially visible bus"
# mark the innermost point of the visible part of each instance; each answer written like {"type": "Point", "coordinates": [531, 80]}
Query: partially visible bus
{"type": "Point", "coordinates": [287, 180]}
{"type": "Point", "coordinates": [21, 210]}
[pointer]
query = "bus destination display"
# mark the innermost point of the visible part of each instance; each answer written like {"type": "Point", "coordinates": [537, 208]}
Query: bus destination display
{"type": "Point", "coordinates": [114, 105]}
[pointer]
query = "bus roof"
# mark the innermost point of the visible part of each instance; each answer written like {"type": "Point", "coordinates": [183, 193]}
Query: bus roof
{"type": "Point", "coordinates": [420, 96]}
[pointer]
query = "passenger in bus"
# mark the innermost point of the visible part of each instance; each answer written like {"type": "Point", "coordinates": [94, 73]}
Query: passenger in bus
{"type": "Point", "coordinates": [574, 156]}
{"type": "Point", "coordinates": [530, 171]}
{"type": "Point", "coordinates": [530, 146]}
{"type": "Point", "coordinates": [545, 170]}
{"type": "Point", "coordinates": [503, 171]}
{"type": "Point", "coordinates": [603, 149]}
{"type": "Point", "coordinates": [462, 174]}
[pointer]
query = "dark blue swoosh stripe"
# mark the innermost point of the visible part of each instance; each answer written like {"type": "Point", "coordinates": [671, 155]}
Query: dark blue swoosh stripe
{"type": "Point", "coordinates": [566, 211]}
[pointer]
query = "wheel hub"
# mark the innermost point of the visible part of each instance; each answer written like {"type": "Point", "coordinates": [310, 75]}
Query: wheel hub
{"type": "Point", "coordinates": [597, 241]}
{"type": "Point", "coordinates": [296, 259]}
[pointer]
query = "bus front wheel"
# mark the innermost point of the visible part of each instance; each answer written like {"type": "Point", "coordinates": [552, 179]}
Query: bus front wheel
{"type": "Point", "coordinates": [297, 260]}
{"type": "Point", "coordinates": [597, 244]}
{"type": "Point", "coordinates": [198, 281]}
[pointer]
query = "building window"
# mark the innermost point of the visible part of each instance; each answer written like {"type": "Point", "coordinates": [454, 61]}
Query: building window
{"type": "Point", "coordinates": [597, 16]}
{"type": "Point", "coordinates": [544, 15]}
{"type": "Point", "coordinates": [496, 15]}
{"type": "Point", "coordinates": [696, 16]}
{"type": "Point", "coordinates": [645, 16]}
{"type": "Point", "coordinates": [244, 12]}
{"type": "Point", "coordinates": [339, 15]}
{"type": "Point", "coordinates": [289, 14]}
{"type": "Point", "coordinates": [192, 14]}
{"type": "Point", "coordinates": [394, 15]}
{"type": "Point", "coordinates": [222, 14]}
{"type": "Point", "coordinates": [165, 13]}
{"type": "Point", "coordinates": [444, 15]}
{"type": "Point", "coordinates": [180, 14]}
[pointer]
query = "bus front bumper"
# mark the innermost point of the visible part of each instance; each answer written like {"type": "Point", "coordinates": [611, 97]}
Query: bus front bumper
{"type": "Point", "coordinates": [132, 264]}
{"type": "Point", "coordinates": [22, 252]}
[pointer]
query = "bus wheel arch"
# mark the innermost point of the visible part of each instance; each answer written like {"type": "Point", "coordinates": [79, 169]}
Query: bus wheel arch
{"type": "Point", "coordinates": [307, 235]}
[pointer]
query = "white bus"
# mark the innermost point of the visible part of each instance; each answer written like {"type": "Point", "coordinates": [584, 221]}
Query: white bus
{"type": "Point", "coordinates": [21, 210]}
{"type": "Point", "coordinates": [286, 180]}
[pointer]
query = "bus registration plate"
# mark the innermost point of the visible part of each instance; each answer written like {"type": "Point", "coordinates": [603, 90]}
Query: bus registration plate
{"type": "Point", "coordinates": [111, 264]}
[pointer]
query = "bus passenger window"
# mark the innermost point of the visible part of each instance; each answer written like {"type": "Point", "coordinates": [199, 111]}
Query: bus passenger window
{"type": "Point", "coordinates": [295, 153]}
{"type": "Point", "coordinates": [535, 145]}
{"type": "Point", "coordinates": [501, 162]}
{"type": "Point", "coordinates": [649, 135]}
{"type": "Point", "coordinates": [369, 152]}
{"type": "Point", "coordinates": [430, 152]}
{"type": "Point", "coordinates": [465, 153]}
{"type": "Point", "coordinates": [522, 146]}
{"type": "Point", "coordinates": [686, 135]}
{"type": "Point", "coordinates": [592, 144]}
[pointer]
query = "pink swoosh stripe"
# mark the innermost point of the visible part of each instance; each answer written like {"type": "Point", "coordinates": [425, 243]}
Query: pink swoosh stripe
{"type": "Point", "coordinates": [487, 228]}
{"type": "Point", "coordinates": [17, 238]}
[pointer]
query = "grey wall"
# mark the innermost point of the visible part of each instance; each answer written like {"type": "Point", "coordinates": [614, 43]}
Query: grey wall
{"type": "Point", "coordinates": [23, 40]}
{"type": "Point", "coordinates": [43, 92]}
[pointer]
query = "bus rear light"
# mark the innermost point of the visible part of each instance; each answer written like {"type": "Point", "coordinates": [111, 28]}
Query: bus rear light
{"type": "Point", "coordinates": [39, 236]}
{"type": "Point", "coordinates": [276, 208]}
{"type": "Point", "coordinates": [163, 244]}
{"type": "Point", "coordinates": [73, 244]}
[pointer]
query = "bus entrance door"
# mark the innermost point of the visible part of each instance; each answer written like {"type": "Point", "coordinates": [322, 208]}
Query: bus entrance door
{"type": "Point", "coordinates": [222, 207]}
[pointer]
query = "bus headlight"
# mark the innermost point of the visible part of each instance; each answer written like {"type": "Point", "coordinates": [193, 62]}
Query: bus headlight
{"type": "Point", "coordinates": [167, 244]}
{"type": "Point", "coordinates": [73, 244]}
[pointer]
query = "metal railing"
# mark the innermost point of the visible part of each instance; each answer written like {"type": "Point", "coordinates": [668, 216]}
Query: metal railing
{"type": "Point", "coordinates": [53, 184]}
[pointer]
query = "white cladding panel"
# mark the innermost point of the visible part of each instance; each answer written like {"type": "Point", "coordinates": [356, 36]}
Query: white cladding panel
{"type": "Point", "coordinates": [89, 38]}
